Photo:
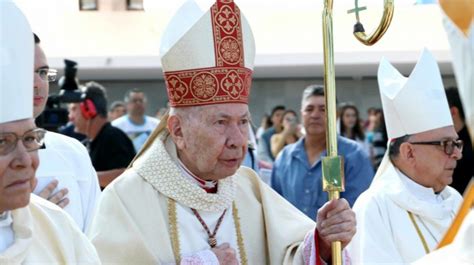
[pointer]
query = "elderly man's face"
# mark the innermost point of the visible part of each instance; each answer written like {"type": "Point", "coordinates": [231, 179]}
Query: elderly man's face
{"type": "Point", "coordinates": [17, 169]}
{"type": "Point", "coordinates": [433, 167]}
{"type": "Point", "coordinates": [40, 86]}
{"type": "Point", "coordinates": [215, 142]}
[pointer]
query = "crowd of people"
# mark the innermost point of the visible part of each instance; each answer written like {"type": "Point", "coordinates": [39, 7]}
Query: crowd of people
{"type": "Point", "coordinates": [189, 187]}
{"type": "Point", "coordinates": [283, 127]}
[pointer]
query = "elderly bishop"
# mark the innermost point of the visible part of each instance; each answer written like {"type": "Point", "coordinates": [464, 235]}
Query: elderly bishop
{"type": "Point", "coordinates": [185, 199]}
{"type": "Point", "coordinates": [409, 205]}
{"type": "Point", "coordinates": [32, 230]}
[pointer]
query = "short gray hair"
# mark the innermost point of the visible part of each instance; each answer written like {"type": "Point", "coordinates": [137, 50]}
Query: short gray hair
{"type": "Point", "coordinates": [394, 146]}
{"type": "Point", "coordinates": [191, 114]}
{"type": "Point", "coordinates": [311, 91]}
{"type": "Point", "coordinates": [186, 113]}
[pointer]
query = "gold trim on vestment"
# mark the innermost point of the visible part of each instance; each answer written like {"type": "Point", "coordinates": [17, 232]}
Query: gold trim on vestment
{"type": "Point", "coordinates": [418, 231]}
{"type": "Point", "coordinates": [240, 238]}
{"type": "Point", "coordinates": [173, 221]}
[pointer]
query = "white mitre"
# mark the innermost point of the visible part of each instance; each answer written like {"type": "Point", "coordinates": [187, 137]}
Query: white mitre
{"type": "Point", "coordinates": [207, 55]}
{"type": "Point", "coordinates": [414, 104]}
{"type": "Point", "coordinates": [188, 40]}
{"type": "Point", "coordinates": [16, 64]}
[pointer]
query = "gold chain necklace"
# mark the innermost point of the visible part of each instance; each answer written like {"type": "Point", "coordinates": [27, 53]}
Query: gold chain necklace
{"type": "Point", "coordinates": [174, 234]}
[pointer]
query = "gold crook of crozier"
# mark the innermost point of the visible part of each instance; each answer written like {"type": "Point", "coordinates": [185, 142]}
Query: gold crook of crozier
{"type": "Point", "coordinates": [359, 31]}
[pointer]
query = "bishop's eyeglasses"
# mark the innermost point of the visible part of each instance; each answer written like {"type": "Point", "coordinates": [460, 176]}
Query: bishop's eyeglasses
{"type": "Point", "coordinates": [32, 140]}
{"type": "Point", "coordinates": [448, 145]}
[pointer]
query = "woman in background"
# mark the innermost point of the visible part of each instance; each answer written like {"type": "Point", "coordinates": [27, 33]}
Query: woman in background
{"type": "Point", "coordinates": [350, 125]}
{"type": "Point", "coordinates": [290, 134]}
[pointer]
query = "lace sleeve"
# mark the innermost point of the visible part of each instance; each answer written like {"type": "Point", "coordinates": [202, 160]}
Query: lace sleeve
{"type": "Point", "coordinates": [204, 257]}
{"type": "Point", "coordinates": [310, 251]}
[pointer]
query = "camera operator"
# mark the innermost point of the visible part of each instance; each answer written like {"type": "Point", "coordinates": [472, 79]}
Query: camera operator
{"type": "Point", "coordinates": [109, 147]}
{"type": "Point", "coordinates": [65, 175]}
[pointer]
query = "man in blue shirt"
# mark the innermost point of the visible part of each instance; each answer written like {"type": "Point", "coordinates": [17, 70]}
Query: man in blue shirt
{"type": "Point", "coordinates": [297, 174]}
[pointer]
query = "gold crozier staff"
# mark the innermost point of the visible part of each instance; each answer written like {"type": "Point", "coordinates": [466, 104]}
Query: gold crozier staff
{"type": "Point", "coordinates": [332, 165]}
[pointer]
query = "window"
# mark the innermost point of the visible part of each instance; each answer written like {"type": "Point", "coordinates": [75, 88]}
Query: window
{"type": "Point", "coordinates": [88, 5]}
{"type": "Point", "coordinates": [135, 5]}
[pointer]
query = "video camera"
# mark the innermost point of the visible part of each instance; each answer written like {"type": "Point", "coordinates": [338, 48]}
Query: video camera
{"type": "Point", "coordinates": [54, 116]}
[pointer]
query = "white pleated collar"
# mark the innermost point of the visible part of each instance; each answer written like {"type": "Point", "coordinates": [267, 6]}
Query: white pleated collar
{"type": "Point", "coordinates": [158, 166]}
{"type": "Point", "coordinates": [413, 197]}
{"type": "Point", "coordinates": [421, 192]}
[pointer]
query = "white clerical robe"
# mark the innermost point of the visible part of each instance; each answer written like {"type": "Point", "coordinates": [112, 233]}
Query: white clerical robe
{"type": "Point", "coordinates": [187, 223]}
{"type": "Point", "coordinates": [7, 237]}
{"type": "Point", "coordinates": [385, 232]}
{"type": "Point", "coordinates": [460, 251]}
{"type": "Point", "coordinates": [135, 220]}
{"type": "Point", "coordinates": [44, 234]}
{"type": "Point", "coordinates": [67, 160]}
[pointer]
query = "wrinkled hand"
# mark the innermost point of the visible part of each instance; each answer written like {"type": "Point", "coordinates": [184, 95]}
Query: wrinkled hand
{"type": "Point", "coordinates": [225, 254]}
{"type": "Point", "coordinates": [335, 222]}
{"type": "Point", "coordinates": [59, 198]}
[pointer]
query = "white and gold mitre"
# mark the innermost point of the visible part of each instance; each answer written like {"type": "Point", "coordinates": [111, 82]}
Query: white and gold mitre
{"type": "Point", "coordinates": [207, 55]}
{"type": "Point", "coordinates": [16, 64]}
{"type": "Point", "coordinates": [414, 104]}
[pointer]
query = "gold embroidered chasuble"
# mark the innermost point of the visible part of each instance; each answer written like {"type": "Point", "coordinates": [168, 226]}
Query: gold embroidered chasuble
{"type": "Point", "coordinates": [132, 225]}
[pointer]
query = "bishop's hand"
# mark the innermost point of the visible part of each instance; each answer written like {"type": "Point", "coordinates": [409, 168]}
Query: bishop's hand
{"type": "Point", "coordinates": [225, 254]}
{"type": "Point", "coordinates": [335, 222]}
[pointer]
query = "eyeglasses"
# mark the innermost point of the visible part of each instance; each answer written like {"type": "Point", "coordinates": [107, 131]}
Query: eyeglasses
{"type": "Point", "coordinates": [448, 145]}
{"type": "Point", "coordinates": [32, 140]}
{"type": "Point", "coordinates": [47, 74]}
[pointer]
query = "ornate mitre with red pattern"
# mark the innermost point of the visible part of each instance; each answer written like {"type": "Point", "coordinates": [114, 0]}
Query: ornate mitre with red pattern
{"type": "Point", "coordinates": [207, 56]}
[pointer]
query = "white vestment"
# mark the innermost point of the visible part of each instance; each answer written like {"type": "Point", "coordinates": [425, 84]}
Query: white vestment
{"type": "Point", "coordinates": [67, 160]}
{"type": "Point", "coordinates": [385, 232]}
{"type": "Point", "coordinates": [44, 234]}
{"type": "Point", "coordinates": [135, 211]}
{"type": "Point", "coordinates": [460, 251]}
{"type": "Point", "coordinates": [7, 237]}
